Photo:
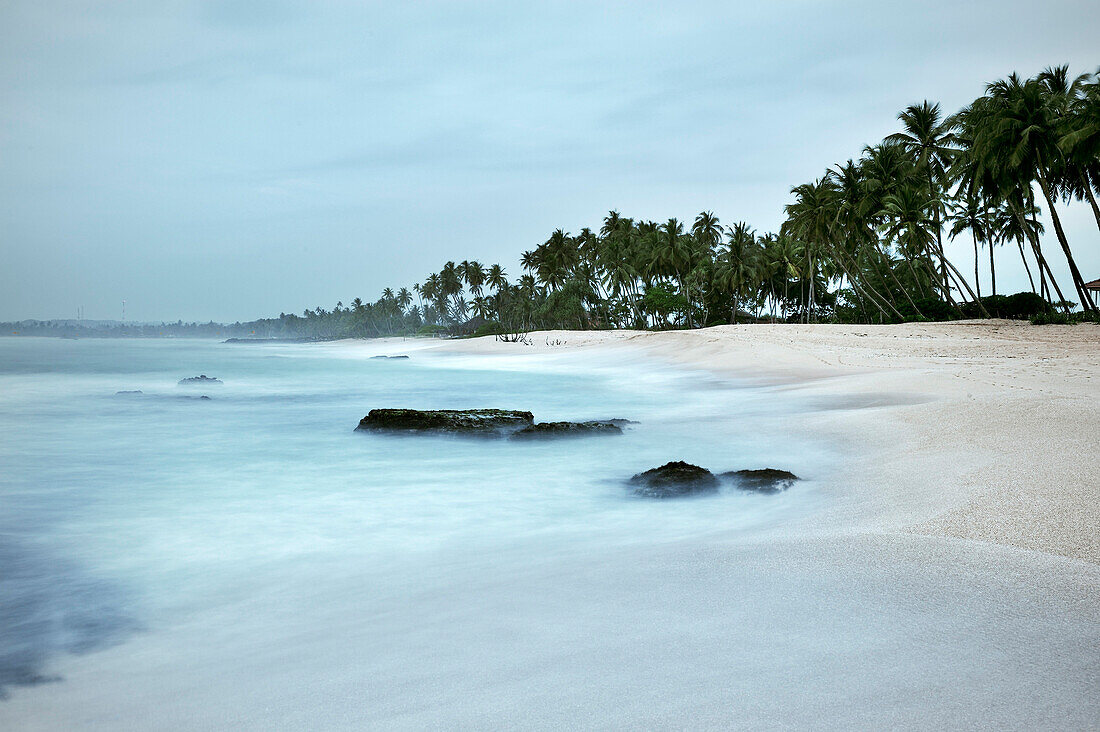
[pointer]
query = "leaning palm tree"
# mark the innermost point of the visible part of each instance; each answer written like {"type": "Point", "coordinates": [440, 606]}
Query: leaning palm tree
{"type": "Point", "coordinates": [812, 220]}
{"type": "Point", "coordinates": [1079, 142]}
{"type": "Point", "coordinates": [930, 141]}
{"type": "Point", "coordinates": [1017, 131]}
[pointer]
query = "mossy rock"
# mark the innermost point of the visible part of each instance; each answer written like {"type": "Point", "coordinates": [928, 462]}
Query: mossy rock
{"type": "Point", "coordinates": [455, 421]}
{"type": "Point", "coordinates": [767, 480]}
{"type": "Point", "coordinates": [674, 480]}
{"type": "Point", "coordinates": [551, 430]}
{"type": "Point", "coordinates": [200, 381]}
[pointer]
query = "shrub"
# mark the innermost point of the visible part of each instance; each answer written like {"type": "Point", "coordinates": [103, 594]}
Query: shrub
{"type": "Point", "coordinates": [931, 308]}
{"type": "Point", "coordinates": [1051, 318]}
{"type": "Point", "coordinates": [1021, 306]}
{"type": "Point", "coordinates": [487, 329]}
{"type": "Point", "coordinates": [1056, 318]}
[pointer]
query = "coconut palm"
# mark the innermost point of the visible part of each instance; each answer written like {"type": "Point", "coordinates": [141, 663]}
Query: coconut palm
{"type": "Point", "coordinates": [930, 141]}
{"type": "Point", "coordinates": [1017, 131]}
{"type": "Point", "coordinates": [1079, 142]}
{"type": "Point", "coordinates": [496, 278]}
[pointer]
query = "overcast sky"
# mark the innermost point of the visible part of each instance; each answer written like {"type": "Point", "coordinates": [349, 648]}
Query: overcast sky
{"type": "Point", "coordinates": [233, 159]}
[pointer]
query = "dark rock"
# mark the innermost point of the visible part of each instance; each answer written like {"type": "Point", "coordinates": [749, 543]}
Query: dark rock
{"type": "Point", "coordinates": [458, 421]}
{"type": "Point", "coordinates": [202, 379]}
{"type": "Point", "coordinates": [544, 430]}
{"type": "Point", "coordinates": [131, 393]}
{"type": "Point", "coordinates": [768, 480]}
{"type": "Point", "coordinates": [674, 479]}
{"type": "Point", "coordinates": [619, 422]}
{"type": "Point", "coordinates": [391, 357]}
{"type": "Point", "coordinates": [204, 397]}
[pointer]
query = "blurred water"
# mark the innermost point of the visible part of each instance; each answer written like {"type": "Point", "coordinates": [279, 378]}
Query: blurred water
{"type": "Point", "coordinates": [122, 514]}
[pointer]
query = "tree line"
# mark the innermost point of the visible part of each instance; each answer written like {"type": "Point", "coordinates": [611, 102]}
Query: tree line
{"type": "Point", "coordinates": [865, 242]}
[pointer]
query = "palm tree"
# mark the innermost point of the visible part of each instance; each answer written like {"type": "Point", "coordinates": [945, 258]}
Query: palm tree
{"type": "Point", "coordinates": [707, 230]}
{"type": "Point", "coordinates": [404, 298]}
{"type": "Point", "coordinates": [474, 275]}
{"type": "Point", "coordinates": [930, 141]}
{"type": "Point", "coordinates": [736, 263]}
{"type": "Point", "coordinates": [1017, 132]}
{"type": "Point", "coordinates": [1078, 165]}
{"type": "Point", "coordinates": [672, 256]}
{"type": "Point", "coordinates": [812, 220]}
{"type": "Point", "coordinates": [496, 278]}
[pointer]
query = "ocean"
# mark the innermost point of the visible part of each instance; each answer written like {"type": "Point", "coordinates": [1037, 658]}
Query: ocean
{"type": "Point", "coordinates": [125, 515]}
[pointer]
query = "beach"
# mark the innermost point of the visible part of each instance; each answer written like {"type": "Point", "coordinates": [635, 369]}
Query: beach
{"type": "Point", "coordinates": [937, 569]}
{"type": "Point", "coordinates": [981, 430]}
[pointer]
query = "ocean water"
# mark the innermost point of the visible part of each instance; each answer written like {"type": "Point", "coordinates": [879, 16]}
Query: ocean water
{"type": "Point", "coordinates": [124, 516]}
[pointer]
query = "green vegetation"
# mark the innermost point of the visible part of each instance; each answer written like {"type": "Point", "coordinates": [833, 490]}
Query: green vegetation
{"type": "Point", "coordinates": [863, 243]}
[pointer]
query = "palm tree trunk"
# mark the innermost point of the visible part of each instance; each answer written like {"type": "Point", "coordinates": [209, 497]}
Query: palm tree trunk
{"type": "Point", "coordinates": [959, 279]}
{"type": "Point", "coordinates": [869, 292]}
{"type": "Point", "coordinates": [1050, 277]}
{"type": "Point", "coordinates": [1020, 244]}
{"type": "Point", "coordinates": [916, 278]}
{"type": "Point", "coordinates": [1092, 199]}
{"type": "Point", "coordinates": [992, 270]}
{"type": "Point", "coordinates": [939, 238]}
{"type": "Point", "coordinates": [687, 296]}
{"type": "Point", "coordinates": [1044, 268]}
{"type": "Point", "coordinates": [901, 288]}
{"type": "Point", "coordinates": [977, 279]}
{"type": "Point", "coordinates": [1078, 280]}
{"type": "Point", "coordinates": [810, 304]}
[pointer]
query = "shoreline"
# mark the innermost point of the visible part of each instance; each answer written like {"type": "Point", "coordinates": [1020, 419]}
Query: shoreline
{"type": "Point", "coordinates": [976, 430]}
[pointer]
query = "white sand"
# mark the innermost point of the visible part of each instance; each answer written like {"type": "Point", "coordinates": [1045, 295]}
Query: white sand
{"type": "Point", "coordinates": [952, 582]}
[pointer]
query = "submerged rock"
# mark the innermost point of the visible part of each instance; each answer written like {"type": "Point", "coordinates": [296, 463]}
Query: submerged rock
{"type": "Point", "coordinates": [389, 357]}
{"type": "Point", "coordinates": [458, 421]}
{"type": "Point", "coordinates": [201, 379]}
{"type": "Point", "coordinates": [767, 480]}
{"type": "Point", "coordinates": [673, 480]}
{"type": "Point", "coordinates": [133, 392]}
{"type": "Point", "coordinates": [545, 430]}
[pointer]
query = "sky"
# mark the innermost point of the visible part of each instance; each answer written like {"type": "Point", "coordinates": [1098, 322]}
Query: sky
{"type": "Point", "coordinates": [235, 159]}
